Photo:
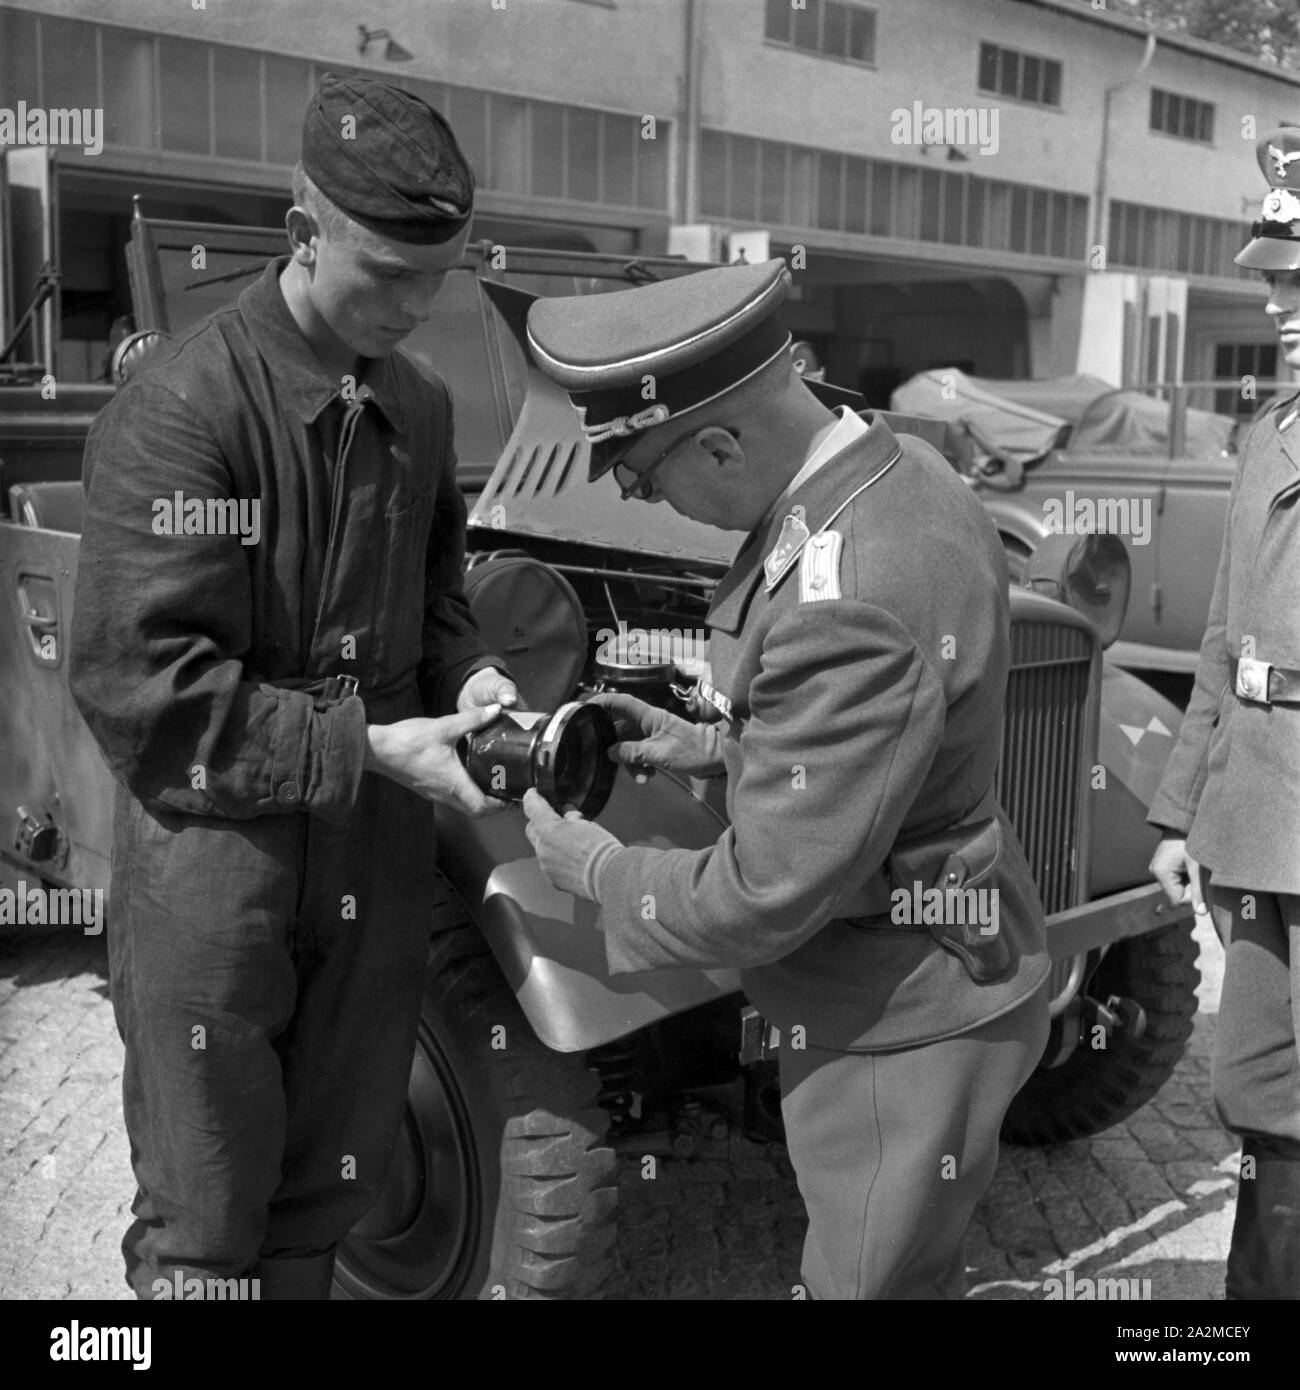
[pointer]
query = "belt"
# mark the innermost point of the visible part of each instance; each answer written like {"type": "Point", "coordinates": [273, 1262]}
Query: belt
{"type": "Point", "coordinates": [875, 897]}
{"type": "Point", "coordinates": [324, 690]}
{"type": "Point", "coordinates": [1263, 683]}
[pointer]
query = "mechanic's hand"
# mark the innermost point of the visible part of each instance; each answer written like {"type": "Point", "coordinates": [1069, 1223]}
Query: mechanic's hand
{"type": "Point", "coordinates": [571, 850]}
{"type": "Point", "coordinates": [487, 687]}
{"type": "Point", "coordinates": [1177, 873]}
{"type": "Point", "coordinates": [666, 742]}
{"type": "Point", "coordinates": [420, 754]}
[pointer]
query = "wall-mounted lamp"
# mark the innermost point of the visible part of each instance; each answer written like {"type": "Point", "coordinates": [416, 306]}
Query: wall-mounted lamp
{"type": "Point", "coordinates": [393, 52]}
{"type": "Point", "coordinates": [951, 153]}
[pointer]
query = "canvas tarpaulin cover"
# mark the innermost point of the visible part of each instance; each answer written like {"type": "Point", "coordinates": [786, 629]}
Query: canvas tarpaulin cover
{"type": "Point", "coordinates": [1022, 420]}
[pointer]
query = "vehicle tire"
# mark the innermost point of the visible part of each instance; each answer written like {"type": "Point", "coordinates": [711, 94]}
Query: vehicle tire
{"type": "Point", "coordinates": [1017, 553]}
{"type": "Point", "coordinates": [501, 1185]}
{"type": "Point", "coordinates": [1094, 1089]}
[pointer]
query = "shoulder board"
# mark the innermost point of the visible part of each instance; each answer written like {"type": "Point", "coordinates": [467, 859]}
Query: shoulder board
{"type": "Point", "coordinates": [819, 567]}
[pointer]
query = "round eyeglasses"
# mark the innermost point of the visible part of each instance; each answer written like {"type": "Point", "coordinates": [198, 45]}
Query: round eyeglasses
{"type": "Point", "coordinates": [641, 485]}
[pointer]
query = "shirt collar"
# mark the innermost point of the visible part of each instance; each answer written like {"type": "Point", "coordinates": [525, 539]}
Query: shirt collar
{"type": "Point", "coordinates": [849, 427]}
{"type": "Point", "coordinates": [839, 473]}
{"type": "Point", "coordinates": [296, 367]}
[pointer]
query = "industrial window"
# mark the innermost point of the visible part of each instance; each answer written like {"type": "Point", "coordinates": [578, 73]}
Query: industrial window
{"type": "Point", "coordinates": [1007, 72]}
{"type": "Point", "coordinates": [466, 113]}
{"type": "Point", "coordinates": [509, 147]}
{"type": "Point", "coordinates": [287, 87]}
{"type": "Point", "coordinates": [217, 100]}
{"type": "Point", "coordinates": [19, 63]}
{"type": "Point", "coordinates": [68, 50]}
{"type": "Point", "coordinates": [1184, 117]}
{"type": "Point", "coordinates": [186, 105]}
{"type": "Point", "coordinates": [829, 27]}
{"type": "Point", "coordinates": [237, 102]}
{"type": "Point", "coordinates": [1174, 243]}
{"type": "Point", "coordinates": [618, 163]}
{"type": "Point", "coordinates": [746, 180]}
{"type": "Point", "coordinates": [583, 137]}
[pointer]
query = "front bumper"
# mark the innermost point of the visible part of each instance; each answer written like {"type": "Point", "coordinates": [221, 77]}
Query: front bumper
{"type": "Point", "coordinates": [1110, 919]}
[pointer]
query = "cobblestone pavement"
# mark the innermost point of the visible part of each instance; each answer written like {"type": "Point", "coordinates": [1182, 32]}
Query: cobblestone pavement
{"type": "Point", "coordinates": [1148, 1199]}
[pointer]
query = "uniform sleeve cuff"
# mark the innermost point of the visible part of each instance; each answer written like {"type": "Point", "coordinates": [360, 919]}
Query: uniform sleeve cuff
{"type": "Point", "coordinates": [454, 677]}
{"type": "Point", "coordinates": [329, 774]}
{"type": "Point", "coordinates": [594, 874]}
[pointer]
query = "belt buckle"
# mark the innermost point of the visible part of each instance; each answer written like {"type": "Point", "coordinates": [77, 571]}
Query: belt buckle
{"type": "Point", "coordinates": [348, 686]}
{"type": "Point", "coordinates": [1252, 679]}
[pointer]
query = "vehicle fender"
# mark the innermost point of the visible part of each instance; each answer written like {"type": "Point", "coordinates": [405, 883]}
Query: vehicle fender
{"type": "Point", "coordinates": [1014, 517]}
{"type": "Point", "coordinates": [550, 945]}
{"type": "Point", "coordinates": [1138, 729]}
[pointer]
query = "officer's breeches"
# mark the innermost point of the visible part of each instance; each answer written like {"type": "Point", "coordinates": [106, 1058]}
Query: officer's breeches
{"type": "Point", "coordinates": [893, 1150]}
{"type": "Point", "coordinates": [1256, 1082]}
{"type": "Point", "coordinates": [266, 978]}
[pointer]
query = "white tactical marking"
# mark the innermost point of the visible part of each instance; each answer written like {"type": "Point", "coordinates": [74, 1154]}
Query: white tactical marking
{"type": "Point", "coordinates": [819, 567]}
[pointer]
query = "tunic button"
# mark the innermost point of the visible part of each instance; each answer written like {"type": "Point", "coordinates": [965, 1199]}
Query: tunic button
{"type": "Point", "coordinates": [287, 792]}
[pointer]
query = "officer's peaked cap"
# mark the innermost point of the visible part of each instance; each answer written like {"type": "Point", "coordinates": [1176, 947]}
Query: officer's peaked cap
{"type": "Point", "coordinates": [637, 358]}
{"type": "Point", "coordinates": [387, 159]}
{"type": "Point", "coordinates": [1275, 243]}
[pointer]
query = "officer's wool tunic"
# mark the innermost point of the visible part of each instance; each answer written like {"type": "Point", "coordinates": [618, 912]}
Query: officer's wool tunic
{"type": "Point", "coordinates": [854, 720]}
{"type": "Point", "coordinates": [1231, 782]}
{"type": "Point", "coordinates": [268, 928]}
{"type": "Point", "coordinates": [1232, 787]}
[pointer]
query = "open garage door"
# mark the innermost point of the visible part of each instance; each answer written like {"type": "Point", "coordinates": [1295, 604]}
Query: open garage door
{"type": "Point", "coordinates": [876, 322]}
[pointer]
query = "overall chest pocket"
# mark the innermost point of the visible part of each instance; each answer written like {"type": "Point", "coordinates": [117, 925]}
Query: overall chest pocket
{"type": "Point", "coordinates": [400, 593]}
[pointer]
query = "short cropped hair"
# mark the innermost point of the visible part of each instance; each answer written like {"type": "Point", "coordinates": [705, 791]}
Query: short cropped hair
{"type": "Point", "coordinates": [332, 220]}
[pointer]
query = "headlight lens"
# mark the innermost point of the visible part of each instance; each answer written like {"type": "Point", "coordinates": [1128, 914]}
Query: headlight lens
{"type": "Point", "coordinates": [1091, 574]}
{"type": "Point", "coordinates": [564, 755]}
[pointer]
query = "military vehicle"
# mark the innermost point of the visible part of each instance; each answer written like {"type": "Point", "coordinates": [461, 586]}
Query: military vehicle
{"type": "Point", "coordinates": [534, 1069]}
{"type": "Point", "coordinates": [1153, 464]}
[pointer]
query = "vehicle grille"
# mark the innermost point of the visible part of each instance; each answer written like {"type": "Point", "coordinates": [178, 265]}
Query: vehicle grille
{"type": "Point", "coordinates": [1042, 769]}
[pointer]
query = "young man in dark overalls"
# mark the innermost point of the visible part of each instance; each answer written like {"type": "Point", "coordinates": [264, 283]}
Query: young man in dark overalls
{"type": "Point", "coordinates": [281, 715]}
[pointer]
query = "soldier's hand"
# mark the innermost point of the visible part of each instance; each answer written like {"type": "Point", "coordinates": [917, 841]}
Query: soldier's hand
{"type": "Point", "coordinates": [571, 850]}
{"type": "Point", "coordinates": [653, 738]}
{"type": "Point", "coordinates": [420, 754]}
{"type": "Point", "coordinates": [487, 687]}
{"type": "Point", "coordinates": [1177, 873]}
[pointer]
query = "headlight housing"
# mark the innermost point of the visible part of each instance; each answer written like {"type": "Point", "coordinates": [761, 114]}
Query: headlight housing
{"type": "Point", "coordinates": [1091, 574]}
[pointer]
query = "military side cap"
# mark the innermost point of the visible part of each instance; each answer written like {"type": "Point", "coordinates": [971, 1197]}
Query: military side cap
{"type": "Point", "coordinates": [635, 359]}
{"type": "Point", "coordinates": [386, 159]}
{"type": "Point", "coordinates": [1276, 236]}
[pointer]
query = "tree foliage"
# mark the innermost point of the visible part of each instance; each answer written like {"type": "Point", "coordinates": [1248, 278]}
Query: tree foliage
{"type": "Point", "coordinates": [1265, 29]}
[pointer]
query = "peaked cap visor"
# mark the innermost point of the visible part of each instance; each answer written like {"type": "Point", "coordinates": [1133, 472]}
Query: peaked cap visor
{"type": "Point", "coordinates": [1269, 250]}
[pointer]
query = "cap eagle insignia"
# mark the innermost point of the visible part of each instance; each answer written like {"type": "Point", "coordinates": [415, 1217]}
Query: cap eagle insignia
{"type": "Point", "coordinates": [1281, 161]}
